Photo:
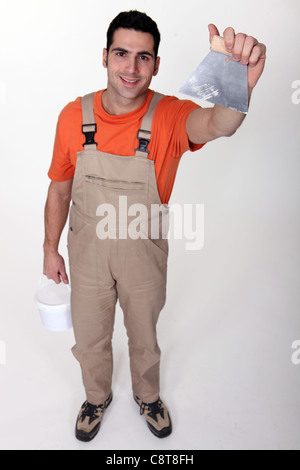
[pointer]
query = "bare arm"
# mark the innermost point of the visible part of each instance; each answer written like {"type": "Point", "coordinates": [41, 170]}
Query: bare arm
{"type": "Point", "coordinates": [204, 125]}
{"type": "Point", "coordinates": [56, 214]}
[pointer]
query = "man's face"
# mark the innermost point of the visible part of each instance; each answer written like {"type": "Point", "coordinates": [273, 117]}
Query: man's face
{"type": "Point", "coordinates": [130, 63]}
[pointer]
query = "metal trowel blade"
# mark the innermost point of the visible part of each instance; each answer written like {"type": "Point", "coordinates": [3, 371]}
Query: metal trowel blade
{"type": "Point", "coordinates": [219, 80]}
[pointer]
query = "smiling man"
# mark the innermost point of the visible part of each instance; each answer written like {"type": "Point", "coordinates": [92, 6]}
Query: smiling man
{"type": "Point", "coordinates": [131, 63]}
{"type": "Point", "coordinates": [125, 142]}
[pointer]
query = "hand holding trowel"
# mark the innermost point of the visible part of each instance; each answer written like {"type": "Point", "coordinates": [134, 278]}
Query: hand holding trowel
{"type": "Point", "coordinates": [220, 79]}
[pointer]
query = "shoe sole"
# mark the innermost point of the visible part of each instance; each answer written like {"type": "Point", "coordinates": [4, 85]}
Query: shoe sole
{"type": "Point", "coordinates": [88, 437]}
{"type": "Point", "coordinates": [84, 437]}
{"type": "Point", "coordinates": [165, 432]}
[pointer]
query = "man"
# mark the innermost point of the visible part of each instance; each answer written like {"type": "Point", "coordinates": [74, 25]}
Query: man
{"type": "Point", "coordinates": [124, 143]}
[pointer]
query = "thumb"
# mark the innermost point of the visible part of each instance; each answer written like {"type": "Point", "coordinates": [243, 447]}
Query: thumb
{"type": "Point", "coordinates": [213, 31]}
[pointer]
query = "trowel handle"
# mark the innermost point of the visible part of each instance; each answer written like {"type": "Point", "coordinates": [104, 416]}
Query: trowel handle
{"type": "Point", "coordinates": [218, 45]}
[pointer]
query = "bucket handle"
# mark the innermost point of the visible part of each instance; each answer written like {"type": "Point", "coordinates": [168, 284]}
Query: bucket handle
{"type": "Point", "coordinates": [50, 281]}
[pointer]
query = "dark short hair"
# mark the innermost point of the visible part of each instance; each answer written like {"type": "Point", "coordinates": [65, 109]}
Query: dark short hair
{"type": "Point", "coordinates": [134, 20]}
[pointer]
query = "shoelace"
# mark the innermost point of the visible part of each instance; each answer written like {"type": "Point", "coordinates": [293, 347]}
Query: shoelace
{"type": "Point", "coordinates": [154, 409]}
{"type": "Point", "coordinates": [90, 411]}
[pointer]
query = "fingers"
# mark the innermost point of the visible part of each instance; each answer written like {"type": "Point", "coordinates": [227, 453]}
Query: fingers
{"type": "Point", "coordinates": [64, 276]}
{"type": "Point", "coordinates": [258, 54]}
{"type": "Point", "coordinates": [244, 49]}
{"type": "Point", "coordinates": [213, 31]}
{"type": "Point", "coordinates": [229, 36]}
{"type": "Point", "coordinates": [54, 268]}
{"type": "Point", "coordinates": [55, 277]}
{"type": "Point", "coordinates": [58, 277]}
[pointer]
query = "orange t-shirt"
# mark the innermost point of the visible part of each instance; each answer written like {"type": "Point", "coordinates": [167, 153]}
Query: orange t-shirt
{"type": "Point", "coordinates": [118, 135]}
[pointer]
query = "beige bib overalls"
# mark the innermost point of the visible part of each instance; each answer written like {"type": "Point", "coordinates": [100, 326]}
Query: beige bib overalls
{"type": "Point", "coordinates": [104, 270]}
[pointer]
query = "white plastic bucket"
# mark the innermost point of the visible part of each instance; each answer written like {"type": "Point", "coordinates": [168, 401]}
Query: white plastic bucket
{"type": "Point", "coordinates": [53, 302]}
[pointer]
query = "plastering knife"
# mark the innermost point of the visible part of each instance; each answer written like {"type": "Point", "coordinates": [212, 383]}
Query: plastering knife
{"type": "Point", "coordinates": [219, 79]}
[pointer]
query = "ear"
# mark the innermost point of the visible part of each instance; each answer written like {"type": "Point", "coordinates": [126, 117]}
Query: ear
{"type": "Point", "coordinates": [157, 64]}
{"type": "Point", "coordinates": [104, 58]}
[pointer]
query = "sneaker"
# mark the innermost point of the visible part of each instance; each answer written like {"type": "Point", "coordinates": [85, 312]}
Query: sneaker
{"type": "Point", "coordinates": [89, 420]}
{"type": "Point", "coordinates": [157, 417]}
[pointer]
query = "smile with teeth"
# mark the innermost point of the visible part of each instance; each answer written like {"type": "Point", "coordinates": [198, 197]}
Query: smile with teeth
{"type": "Point", "coordinates": [129, 81]}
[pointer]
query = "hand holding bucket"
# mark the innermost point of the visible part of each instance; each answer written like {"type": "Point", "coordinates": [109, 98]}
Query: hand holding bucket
{"type": "Point", "coordinates": [53, 302]}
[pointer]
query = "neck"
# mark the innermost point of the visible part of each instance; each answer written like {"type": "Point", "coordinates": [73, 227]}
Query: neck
{"type": "Point", "coordinates": [117, 105]}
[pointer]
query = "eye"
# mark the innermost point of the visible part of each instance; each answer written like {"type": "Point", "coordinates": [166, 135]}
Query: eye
{"type": "Point", "coordinates": [144, 58]}
{"type": "Point", "coordinates": [121, 54]}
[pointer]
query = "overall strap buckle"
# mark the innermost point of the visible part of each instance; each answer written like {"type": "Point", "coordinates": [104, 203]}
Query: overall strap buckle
{"type": "Point", "coordinates": [89, 131]}
{"type": "Point", "coordinates": [144, 140]}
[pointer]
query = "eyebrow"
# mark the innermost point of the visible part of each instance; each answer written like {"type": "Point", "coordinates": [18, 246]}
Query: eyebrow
{"type": "Point", "coordinates": [120, 49]}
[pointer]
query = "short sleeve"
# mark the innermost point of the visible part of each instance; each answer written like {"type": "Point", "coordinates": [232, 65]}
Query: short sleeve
{"type": "Point", "coordinates": [174, 114]}
{"type": "Point", "coordinates": [61, 168]}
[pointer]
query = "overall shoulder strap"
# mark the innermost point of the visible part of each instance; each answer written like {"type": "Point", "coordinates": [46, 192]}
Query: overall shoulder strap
{"type": "Point", "coordinates": [144, 134]}
{"type": "Point", "coordinates": [89, 126]}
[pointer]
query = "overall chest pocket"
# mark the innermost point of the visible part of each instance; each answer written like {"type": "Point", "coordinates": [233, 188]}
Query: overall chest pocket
{"type": "Point", "coordinates": [120, 195]}
{"type": "Point", "coordinates": [114, 184]}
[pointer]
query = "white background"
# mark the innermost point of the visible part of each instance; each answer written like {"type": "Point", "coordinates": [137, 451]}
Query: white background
{"type": "Point", "coordinates": [233, 307]}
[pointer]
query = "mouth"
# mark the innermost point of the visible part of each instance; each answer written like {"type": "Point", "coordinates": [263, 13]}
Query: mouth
{"type": "Point", "coordinates": [130, 82]}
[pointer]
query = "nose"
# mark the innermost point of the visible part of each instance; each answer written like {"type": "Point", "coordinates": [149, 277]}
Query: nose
{"type": "Point", "coordinates": [132, 65]}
